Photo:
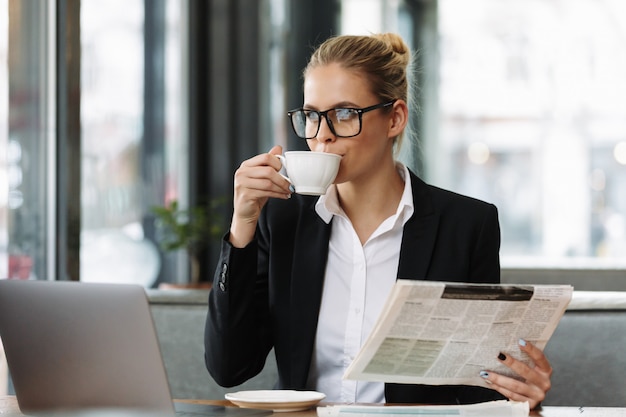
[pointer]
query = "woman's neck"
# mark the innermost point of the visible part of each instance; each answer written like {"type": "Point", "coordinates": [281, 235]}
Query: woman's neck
{"type": "Point", "coordinates": [369, 202]}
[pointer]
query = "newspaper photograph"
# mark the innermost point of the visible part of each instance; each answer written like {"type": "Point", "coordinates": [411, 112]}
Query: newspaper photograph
{"type": "Point", "coordinates": [444, 333]}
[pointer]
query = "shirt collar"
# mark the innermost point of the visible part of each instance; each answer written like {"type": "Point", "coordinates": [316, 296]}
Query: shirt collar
{"type": "Point", "coordinates": [328, 206]}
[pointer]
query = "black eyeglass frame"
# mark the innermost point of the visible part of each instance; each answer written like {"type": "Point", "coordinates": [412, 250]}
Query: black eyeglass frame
{"type": "Point", "coordinates": [324, 114]}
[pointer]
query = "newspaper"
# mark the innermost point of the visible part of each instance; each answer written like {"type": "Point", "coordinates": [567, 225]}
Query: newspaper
{"type": "Point", "coordinates": [500, 408]}
{"type": "Point", "coordinates": [443, 333]}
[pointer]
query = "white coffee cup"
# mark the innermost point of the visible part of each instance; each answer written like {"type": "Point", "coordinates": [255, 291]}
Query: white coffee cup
{"type": "Point", "coordinates": [311, 173]}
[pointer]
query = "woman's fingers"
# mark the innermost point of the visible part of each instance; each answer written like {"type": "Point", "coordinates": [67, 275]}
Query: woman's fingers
{"type": "Point", "coordinates": [540, 372]}
{"type": "Point", "coordinates": [515, 390]}
{"type": "Point", "coordinates": [260, 173]}
{"type": "Point", "coordinates": [536, 355]}
{"type": "Point", "coordinates": [256, 180]}
{"type": "Point", "coordinates": [265, 159]}
{"type": "Point", "coordinates": [263, 179]}
{"type": "Point", "coordinates": [534, 381]}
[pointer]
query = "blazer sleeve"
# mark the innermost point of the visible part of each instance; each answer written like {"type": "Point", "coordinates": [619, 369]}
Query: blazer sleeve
{"type": "Point", "coordinates": [266, 296]}
{"type": "Point", "coordinates": [237, 332]}
{"type": "Point", "coordinates": [485, 257]}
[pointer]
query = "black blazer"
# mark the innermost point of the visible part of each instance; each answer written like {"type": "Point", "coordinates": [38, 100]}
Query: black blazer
{"type": "Point", "coordinates": [267, 295]}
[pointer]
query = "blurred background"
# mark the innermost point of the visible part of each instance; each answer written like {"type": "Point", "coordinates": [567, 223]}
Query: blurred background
{"type": "Point", "coordinates": [111, 108]}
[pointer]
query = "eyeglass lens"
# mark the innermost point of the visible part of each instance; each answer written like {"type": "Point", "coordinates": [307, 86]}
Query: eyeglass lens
{"type": "Point", "coordinates": [342, 122]}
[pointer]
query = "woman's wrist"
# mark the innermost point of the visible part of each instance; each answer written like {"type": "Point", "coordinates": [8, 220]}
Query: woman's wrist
{"type": "Point", "coordinates": [241, 234]}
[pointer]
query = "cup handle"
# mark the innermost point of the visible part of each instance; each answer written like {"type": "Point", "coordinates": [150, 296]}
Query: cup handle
{"type": "Point", "coordinates": [283, 169]}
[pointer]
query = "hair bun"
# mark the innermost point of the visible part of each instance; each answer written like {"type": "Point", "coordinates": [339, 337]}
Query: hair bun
{"type": "Point", "coordinates": [397, 45]}
{"type": "Point", "coordinates": [395, 41]}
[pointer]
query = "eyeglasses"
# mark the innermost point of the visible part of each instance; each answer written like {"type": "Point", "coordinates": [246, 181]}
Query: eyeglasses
{"type": "Point", "coordinates": [343, 122]}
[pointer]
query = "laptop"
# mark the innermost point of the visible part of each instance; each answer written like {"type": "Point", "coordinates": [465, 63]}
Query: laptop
{"type": "Point", "coordinates": [76, 347]}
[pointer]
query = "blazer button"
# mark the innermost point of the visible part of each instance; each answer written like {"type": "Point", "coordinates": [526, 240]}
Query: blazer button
{"type": "Point", "coordinates": [222, 283]}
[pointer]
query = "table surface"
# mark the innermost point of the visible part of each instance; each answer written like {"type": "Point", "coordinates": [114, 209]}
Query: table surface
{"type": "Point", "coordinates": [9, 407]}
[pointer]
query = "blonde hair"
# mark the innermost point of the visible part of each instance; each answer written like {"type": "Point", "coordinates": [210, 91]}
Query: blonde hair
{"type": "Point", "coordinates": [384, 60]}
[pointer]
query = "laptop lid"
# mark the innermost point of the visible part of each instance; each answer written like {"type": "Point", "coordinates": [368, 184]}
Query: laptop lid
{"type": "Point", "coordinates": [73, 346]}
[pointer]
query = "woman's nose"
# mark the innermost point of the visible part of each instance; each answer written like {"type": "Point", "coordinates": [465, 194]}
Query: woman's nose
{"type": "Point", "coordinates": [325, 133]}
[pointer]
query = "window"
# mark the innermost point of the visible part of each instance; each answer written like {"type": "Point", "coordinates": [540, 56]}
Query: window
{"type": "Point", "coordinates": [4, 138]}
{"type": "Point", "coordinates": [112, 108]}
{"type": "Point", "coordinates": [521, 105]}
{"type": "Point", "coordinates": [532, 119]}
{"type": "Point", "coordinates": [132, 136]}
{"type": "Point", "coordinates": [26, 139]}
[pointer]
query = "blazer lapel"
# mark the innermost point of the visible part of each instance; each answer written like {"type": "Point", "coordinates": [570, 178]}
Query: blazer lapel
{"type": "Point", "coordinates": [311, 254]}
{"type": "Point", "coordinates": [418, 237]}
{"type": "Point", "coordinates": [308, 270]}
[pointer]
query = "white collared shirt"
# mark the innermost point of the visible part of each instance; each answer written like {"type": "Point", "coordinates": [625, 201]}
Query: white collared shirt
{"type": "Point", "coordinates": [357, 282]}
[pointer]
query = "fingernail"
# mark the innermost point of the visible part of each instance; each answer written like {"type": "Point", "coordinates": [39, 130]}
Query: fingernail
{"type": "Point", "coordinates": [484, 374]}
{"type": "Point", "coordinates": [501, 356]}
{"type": "Point", "coordinates": [522, 342]}
{"type": "Point", "coordinates": [292, 188]}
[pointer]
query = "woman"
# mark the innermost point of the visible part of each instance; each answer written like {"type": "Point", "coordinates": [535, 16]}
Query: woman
{"type": "Point", "coordinates": [308, 276]}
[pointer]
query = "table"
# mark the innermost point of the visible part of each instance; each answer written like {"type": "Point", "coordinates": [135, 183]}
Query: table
{"type": "Point", "coordinates": [9, 407]}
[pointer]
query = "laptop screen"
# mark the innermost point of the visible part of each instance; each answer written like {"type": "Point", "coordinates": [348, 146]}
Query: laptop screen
{"type": "Point", "coordinates": [73, 345]}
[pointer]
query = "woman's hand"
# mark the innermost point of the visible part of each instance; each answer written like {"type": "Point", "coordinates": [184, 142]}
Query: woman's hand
{"type": "Point", "coordinates": [535, 378]}
{"type": "Point", "coordinates": [256, 180]}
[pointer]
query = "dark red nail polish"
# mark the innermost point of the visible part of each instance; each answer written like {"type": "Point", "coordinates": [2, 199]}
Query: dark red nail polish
{"type": "Point", "coordinates": [501, 356]}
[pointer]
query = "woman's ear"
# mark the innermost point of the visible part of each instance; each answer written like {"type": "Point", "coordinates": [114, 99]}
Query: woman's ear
{"type": "Point", "coordinates": [399, 118]}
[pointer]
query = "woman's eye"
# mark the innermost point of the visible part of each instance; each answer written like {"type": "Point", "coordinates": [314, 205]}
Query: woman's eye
{"type": "Point", "coordinates": [312, 116]}
{"type": "Point", "coordinates": [345, 114]}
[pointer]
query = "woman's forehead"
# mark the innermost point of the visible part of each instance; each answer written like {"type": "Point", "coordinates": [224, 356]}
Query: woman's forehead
{"type": "Point", "coordinates": [329, 85]}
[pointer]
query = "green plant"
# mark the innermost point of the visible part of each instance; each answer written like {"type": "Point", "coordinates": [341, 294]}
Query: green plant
{"type": "Point", "coordinates": [190, 229]}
